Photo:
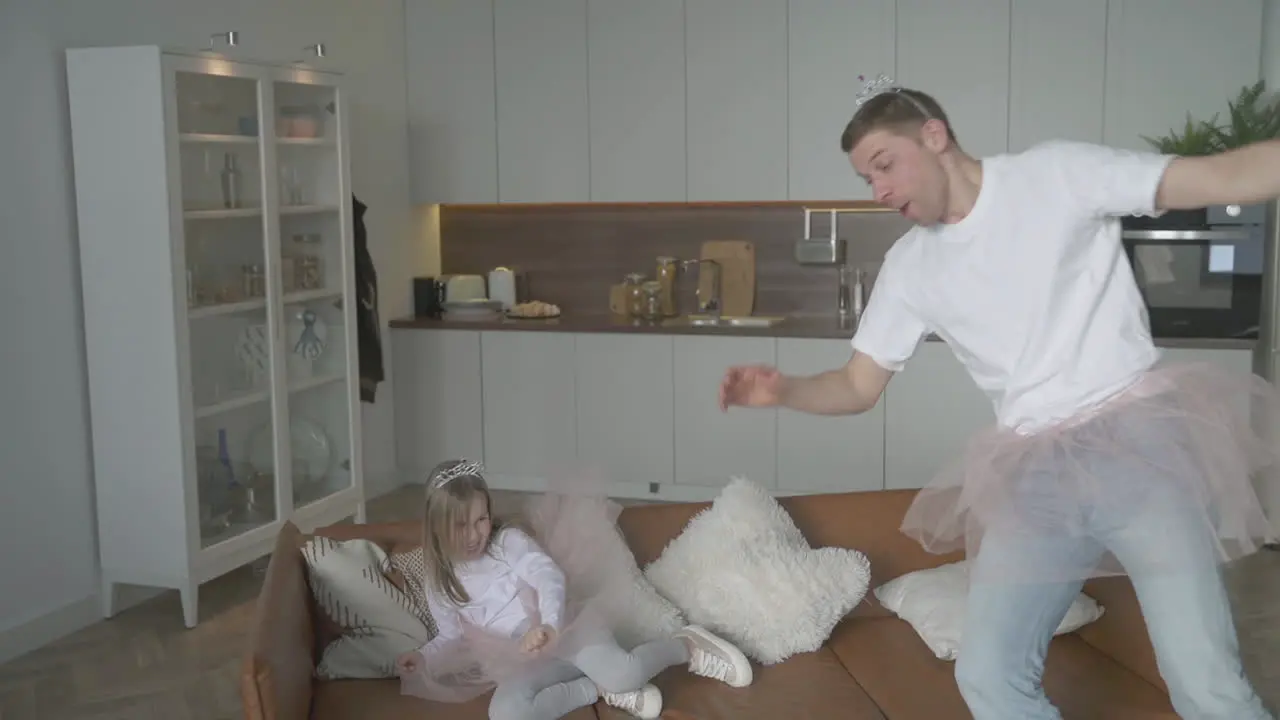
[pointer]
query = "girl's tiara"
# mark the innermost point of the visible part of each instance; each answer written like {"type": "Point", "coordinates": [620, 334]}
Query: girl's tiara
{"type": "Point", "coordinates": [879, 86]}
{"type": "Point", "coordinates": [463, 468]}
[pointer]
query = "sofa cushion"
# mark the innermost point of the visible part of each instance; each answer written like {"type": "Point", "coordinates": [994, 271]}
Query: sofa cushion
{"type": "Point", "coordinates": [935, 602]}
{"type": "Point", "coordinates": [903, 677]}
{"type": "Point", "coordinates": [381, 700]}
{"type": "Point", "coordinates": [808, 686]}
{"type": "Point", "coordinates": [379, 622]}
{"type": "Point", "coordinates": [744, 571]}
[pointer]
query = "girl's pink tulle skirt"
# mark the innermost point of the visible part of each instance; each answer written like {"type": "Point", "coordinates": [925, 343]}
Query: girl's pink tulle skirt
{"type": "Point", "coordinates": [576, 524]}
{"type": "Point", "coordinates": [1180, 450]}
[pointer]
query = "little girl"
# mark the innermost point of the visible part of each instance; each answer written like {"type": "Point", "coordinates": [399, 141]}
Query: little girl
{"type": "Point", "coordinates": [499, 602]}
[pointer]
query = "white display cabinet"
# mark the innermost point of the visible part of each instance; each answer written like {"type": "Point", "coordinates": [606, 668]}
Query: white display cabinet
{"type": "Point", "coordinates": [215, 225]}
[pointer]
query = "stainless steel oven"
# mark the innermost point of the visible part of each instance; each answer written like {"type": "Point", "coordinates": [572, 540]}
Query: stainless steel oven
{"type": "Point", "coordinates": [1200, 271]}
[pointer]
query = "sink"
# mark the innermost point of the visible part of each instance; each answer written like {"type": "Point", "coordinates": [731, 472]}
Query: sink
{"type": "Point", "coordinates": [743, 321]}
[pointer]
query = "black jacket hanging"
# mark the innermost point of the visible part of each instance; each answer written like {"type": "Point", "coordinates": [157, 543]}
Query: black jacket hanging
{"type": "Point", "coordinates": [368, 328]}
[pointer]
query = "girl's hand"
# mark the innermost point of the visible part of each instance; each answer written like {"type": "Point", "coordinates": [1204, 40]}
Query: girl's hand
{"type": "Point", "coordinates": [408, 663]}
{"type": "Point", "coordinates": [537, 638]}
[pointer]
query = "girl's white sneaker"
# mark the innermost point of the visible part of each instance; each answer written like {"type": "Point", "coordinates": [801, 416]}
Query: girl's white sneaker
{"type": "Point", "coordinates": [645, 703]}
{"type": "Point", "coordinates": [716, 658]}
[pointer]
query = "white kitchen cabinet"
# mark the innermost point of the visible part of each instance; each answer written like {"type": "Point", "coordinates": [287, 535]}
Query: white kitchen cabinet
{"type": "Point", "coordinates": [1167, 58]}
{"type": "Point", "coordinates": [625, 407]}
{"type": "Point", "coordinates": [826, 453]}
{"type": "Point", "coordinates": [713, 446]}
{"type": "Point", "coordinates": [1057, 72]}
{"type": "Point", "coordinates": [830, 43]}
{"type": "Point", "coordinates": [530, 425]}
{"type": "Point", "coordinates": [543, 117]}
{"type": "Point", "coordinates": [736, 68]}
{"type": "Point", "coordinates": [453, 121]}
{"type": "Point", "coordinates": [637, 100]}
{"type": "Point", "coordinates": [438, 399]}
{"type": "Point", "coordinates": [958, 52]}
{"type": "Point", "coordinates": [932, 409]}
{"type": "Point", "coordinates": [213, 200]}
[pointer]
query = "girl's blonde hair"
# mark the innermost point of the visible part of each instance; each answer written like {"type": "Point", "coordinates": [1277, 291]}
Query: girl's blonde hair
{"type": "Point", "coordinates": [451, 488]}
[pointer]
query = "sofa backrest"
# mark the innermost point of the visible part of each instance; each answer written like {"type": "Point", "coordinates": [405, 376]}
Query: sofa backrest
{"type": "Point", "coordinates": [865, 521]}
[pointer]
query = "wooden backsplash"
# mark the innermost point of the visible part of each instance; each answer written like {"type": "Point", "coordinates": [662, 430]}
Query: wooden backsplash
{"type": "Point", "coordinates": [574, 253]}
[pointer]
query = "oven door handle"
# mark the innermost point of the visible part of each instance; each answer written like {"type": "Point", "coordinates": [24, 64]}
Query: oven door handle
{"type": "Point", "coordinates": [1186, 235]}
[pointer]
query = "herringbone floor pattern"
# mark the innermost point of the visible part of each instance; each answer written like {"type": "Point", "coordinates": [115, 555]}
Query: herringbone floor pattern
{"type": "Point", "coordinates": [144, 665]}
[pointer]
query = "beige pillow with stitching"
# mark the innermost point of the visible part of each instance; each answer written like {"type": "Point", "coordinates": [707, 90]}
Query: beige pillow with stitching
{"type": "Point", "coordinates": [379, 622]}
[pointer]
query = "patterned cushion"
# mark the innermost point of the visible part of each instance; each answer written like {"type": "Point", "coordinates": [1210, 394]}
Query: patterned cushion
{"type": "Point", "coordinates": [378, 620]}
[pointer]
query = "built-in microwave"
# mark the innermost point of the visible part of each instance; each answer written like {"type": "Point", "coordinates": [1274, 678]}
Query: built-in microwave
{"type": "Point", "coordinates": [1200, 271]}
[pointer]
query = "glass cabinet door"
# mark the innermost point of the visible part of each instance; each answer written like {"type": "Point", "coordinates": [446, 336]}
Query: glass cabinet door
{"type": "Point", "coordinates": [313, 258]}
{"type": "Point", "coordinates": [228, 326]}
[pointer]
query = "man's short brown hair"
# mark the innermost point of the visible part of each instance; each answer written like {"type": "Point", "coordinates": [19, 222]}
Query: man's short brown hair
{"type": "Point", "coordinates": [899, 111]}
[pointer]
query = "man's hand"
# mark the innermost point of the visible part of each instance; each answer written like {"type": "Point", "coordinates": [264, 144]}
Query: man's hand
{"type": "Point", "coordinates": [537, 638]}
{"type": "Point", "coordinates": [751, 386]}
{"type": "Point", "coordinates": [849, 390]}
{"type": "Point", "coordinates": [408, 663]}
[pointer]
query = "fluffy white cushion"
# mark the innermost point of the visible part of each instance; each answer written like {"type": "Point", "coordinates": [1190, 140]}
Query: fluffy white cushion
{"type": "Point", "coordinates": [742, 569]}
{"type": "Point", "coordinates": [933, 602]}
{"type": "Point", "coordinates": [378, 621]}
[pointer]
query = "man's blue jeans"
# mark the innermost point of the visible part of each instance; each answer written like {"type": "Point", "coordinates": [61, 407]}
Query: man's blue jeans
{"type": "Point", "coordinates": [1184, 602]}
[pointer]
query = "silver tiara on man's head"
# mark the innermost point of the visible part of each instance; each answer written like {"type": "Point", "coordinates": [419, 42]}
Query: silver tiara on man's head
{"type": "Point", "coordinates": [463, 468]}
{"type": "Point", "coordinates": [881, 85]}
{"type": "Point", "coordinates": [871, 88]}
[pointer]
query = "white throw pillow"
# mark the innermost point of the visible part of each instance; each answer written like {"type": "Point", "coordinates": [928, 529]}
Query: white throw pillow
{"type": "Point", "coordinates": [933, 601]}
{"type": "Point", "coordinates": [379, 622]}
{"type": "Point", "coordinates": [742, 569]}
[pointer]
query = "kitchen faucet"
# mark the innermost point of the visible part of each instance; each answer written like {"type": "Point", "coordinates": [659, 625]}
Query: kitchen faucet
{"type": "Point", "coordinates": [708, 306]}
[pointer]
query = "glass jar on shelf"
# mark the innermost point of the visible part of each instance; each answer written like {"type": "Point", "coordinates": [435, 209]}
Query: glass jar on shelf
{"type": "Point", "coordinates": [668, 269]}
{"type": "Point", "coordinates": [255, 281]}
{"type": "Point", "coordinates": [306, 256]}
{"type": "Point", "coordinates": [652, 301]}
{"type": "Point", "coordinates": [633, 295]}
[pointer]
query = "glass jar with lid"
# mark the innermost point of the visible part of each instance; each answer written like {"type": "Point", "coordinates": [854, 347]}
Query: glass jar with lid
{"type": "Point", "coordinates": [633, 292]}
{"type": "Point", "coordinates": [652, 300]}
{"type": "Point", "coordinates": [668, 269]}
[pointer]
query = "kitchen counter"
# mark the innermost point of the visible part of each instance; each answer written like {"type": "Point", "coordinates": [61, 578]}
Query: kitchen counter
{"type": "Point", "coordinates": [792, 327]}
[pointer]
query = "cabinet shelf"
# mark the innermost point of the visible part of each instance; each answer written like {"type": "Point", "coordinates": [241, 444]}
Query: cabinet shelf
{"type": "Point", "coordinates": [260, 396]}
{"type": "Point", "coordinates": [213, 139]}
{"type": "Point", "coordinates": [307, 209]}
{"type": "Point", "coordinates": [306, 296]}
{"type": "Point", "coordinates": [244, 306]}
{"type": "Point", "coordinates": [305, 142]}
{"type": "Point", "coordinates": [205, 311]}
{"type": "Point", "coordinates": [219, 213]}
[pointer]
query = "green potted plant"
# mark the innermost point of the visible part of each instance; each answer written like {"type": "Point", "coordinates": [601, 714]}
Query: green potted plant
{"type": "Point", "coordinates": [1253, 116]}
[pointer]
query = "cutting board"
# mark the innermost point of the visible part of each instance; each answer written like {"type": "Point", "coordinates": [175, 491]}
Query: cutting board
{"type": "Point", "coordinates": [737, 260]}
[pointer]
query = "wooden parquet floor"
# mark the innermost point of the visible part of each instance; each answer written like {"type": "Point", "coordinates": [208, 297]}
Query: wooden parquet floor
{"type": "Point", "coordinates": [144, 665]}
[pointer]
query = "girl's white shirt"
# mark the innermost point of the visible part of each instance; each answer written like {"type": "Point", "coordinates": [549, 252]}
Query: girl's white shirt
{"type": "Point", "coordinates": [513, 587]}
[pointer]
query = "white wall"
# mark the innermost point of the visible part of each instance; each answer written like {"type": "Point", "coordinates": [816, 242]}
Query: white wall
{"type": "Point", "coordinates": [47, 550]}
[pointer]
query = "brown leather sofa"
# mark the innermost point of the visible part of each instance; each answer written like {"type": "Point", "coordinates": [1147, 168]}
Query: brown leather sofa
{"type": "Point", "coordinates": [873, 667]}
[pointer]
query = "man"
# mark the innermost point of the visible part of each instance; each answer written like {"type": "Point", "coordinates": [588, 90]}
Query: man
{"type": "Point", "coordinates": [1099, 463]}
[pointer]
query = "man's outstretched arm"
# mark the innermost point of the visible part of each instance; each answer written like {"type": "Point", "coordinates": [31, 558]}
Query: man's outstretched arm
{"type": "Point", "coordinates": [1241, 176]}
{"type": "Point", "coordinates": [852, 389]}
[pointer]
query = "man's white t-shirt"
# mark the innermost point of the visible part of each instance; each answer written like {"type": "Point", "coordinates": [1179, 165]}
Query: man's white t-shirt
{"type": "Point", "coordinates": [1032, 290]}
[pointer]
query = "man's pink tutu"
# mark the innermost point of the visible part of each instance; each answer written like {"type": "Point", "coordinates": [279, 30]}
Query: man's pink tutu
{"type": "Point", "coordinates": [1186, 441]}
{"type": "Point", "coordinates": [575, 524]}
